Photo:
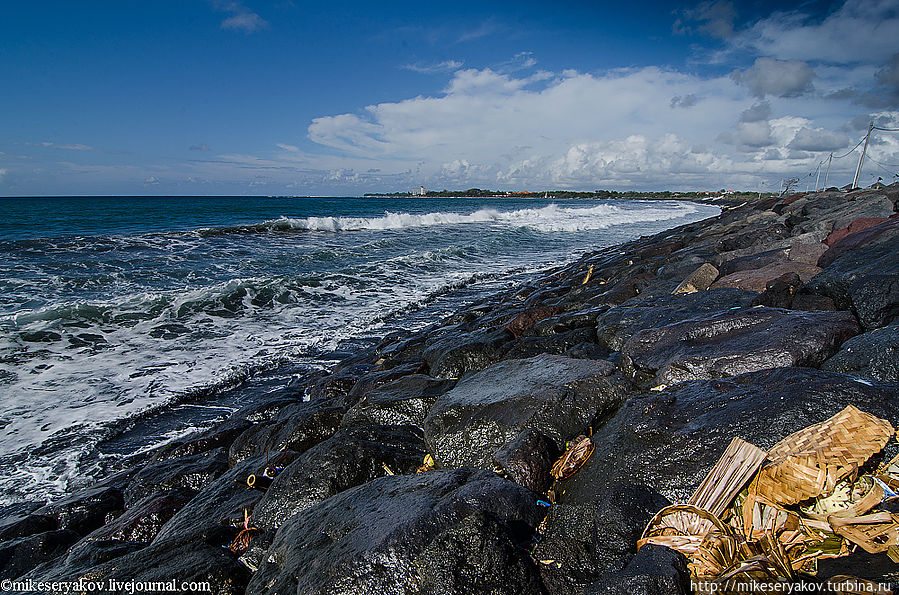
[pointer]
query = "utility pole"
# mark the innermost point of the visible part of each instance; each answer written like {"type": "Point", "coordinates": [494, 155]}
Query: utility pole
{"type": "Point", "coordinates": [861, 160]}
{"type": "Point", "coordinates": [818, 174]}
{"type": "Point", "coordinates": [829, 161]}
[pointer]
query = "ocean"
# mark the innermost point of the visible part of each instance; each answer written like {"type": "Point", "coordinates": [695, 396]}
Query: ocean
{"type": "Point", "coordinates": [126, 322]}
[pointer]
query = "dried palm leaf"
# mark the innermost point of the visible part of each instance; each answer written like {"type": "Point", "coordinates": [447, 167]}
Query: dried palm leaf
{"type": "Point", "coordinates": [810, 462]}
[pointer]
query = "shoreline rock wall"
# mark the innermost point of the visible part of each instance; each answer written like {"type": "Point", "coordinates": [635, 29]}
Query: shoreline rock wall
{"type": "Point", "coordinates": [769, 317]}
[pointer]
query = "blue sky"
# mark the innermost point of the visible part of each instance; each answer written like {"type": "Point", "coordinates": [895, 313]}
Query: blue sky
{"type": "Point", "coordinates": [341, 98]}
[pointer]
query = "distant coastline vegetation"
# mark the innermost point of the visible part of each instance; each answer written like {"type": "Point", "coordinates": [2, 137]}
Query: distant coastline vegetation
{"type": "Point", "coordinates": [564, 194]}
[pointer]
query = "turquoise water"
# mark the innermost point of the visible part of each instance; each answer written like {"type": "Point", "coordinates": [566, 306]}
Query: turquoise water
{"type": "Point", "coordinates": [114, 307]}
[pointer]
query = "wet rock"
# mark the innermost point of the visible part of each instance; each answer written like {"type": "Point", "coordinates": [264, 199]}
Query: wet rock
{"type": "Point", "coordinates": [527, 319]}
{"type": "Point", "coordinates": [874, 355]}
{"type": "Point", "coordinates": [555, 344]}
{"type": "Point", "coordinates": [854, 227]}
{"type": "Point", "coordinates": [296, 427]}
{"type": "Point", "coordinates": [144, 518]}
{"type": "Point", "coordinates": [351, 457]}
{"type": "Point", "coordinates": [16, 526]}
{"type": "Point", "coordinates": [754, 261]}
{"type": "Point", "coordinates": [619, 324]}
{"type": "Point", "coordinates": [585, 540]}
{"type": "Point", "coordinates": [219, 436]}
{"type": "Point", "coordinates": [865, 279]}
{"type": "Point", "coordinates": [527, 460]}
{"type": "Point", "coordinates": [877, 233]}
{"type": "Point", "coordinates": [735, 342]}
{"type": "Point", "coordinates": [569, 321]}
{"type": "Point", "coordinates": [405, 534]}
{"type": "Point", "coordinates": [452, 356]}
{"type": "Point", "coordinates": [86, 510]}
{"type": "Point", "coordinates": [373, 380]}
{"type": "Point", "coordinates": [196, 562]}
{"type": "Point", "coordinates": [559, 396]}
{"type": "Point", "coordinates": [780, 292]}
{"type": "Point", "coordinates": [755, 236]}
{"type": "Point", "coordinates": [336, 385]}
{"type": "Point", "coordinates": [655, 570]}
{"type": "Point", "coordinates": [758, 279]}
{"type": "Point", "coordinates": [193, 473]}
{"type": "Point", "coordinates": [699, 280]}
{"type": "Point", "coordinates": [220, 504]}
{"type": "Point", "coordinates": [402, 402]}
{"type": "Point", "coordinates": [670, 440]}
{"type": "Point", "coordinates": [21, 555]}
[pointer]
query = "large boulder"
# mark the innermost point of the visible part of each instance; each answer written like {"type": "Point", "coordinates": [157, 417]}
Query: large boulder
{"type": "Point", "coordinates": [222, 503]}
{"type": "Point", "coordinates": [655, 570]}
{"type": "Point", "coordinates": [735, 342]}
{"type": "Point", "coordinates": [453, 532]}
{"type": "Point", "coordinates": [190, 472]}
{"type": "Point", "coordinates": [584, 541]}
{"type": "Point", "coordinates": [669, 440]}
{"type": "Point", "coordinates": [874, 354]}
{"type": "Point", "coordinates": [350, 458]}
{"type": "Point", "coordinates": [865, 279]}
{"type": "Point", "coordinates": [405, 401]}
{"type": "Point", "coordinates": [615, 327]}
{"type": "Point", "coordinates": [556, 395]}
{"type": "Point", "coordinates": [295, 426]}
{"type": "Point", "coordinates": [458, 353]}
{"type": "Point", "coordinates": [21, 555]}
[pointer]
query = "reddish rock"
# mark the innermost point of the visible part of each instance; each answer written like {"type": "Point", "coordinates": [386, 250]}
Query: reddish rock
{"type": "Point", "coordinates": [757, 279]}
{"type": "Point", "coordinates": [527, 319]}
{"type": "Point", "coordinates": [854, 227]}
{"type": "Point", "coordinates": [859, 239]}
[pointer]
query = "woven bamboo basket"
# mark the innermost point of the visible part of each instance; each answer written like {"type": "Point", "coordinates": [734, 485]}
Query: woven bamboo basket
{"type": "Point", "coordinates": [739, 463]}
{"type": "Point", "coordinates": [810, 462]}
{"type": "Point", "coordinates": [681, 527]}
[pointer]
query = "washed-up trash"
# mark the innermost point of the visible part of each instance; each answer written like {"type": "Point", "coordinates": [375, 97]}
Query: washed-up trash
{"type": "Point", "coordinates": [241, 541]}
{"type": "Point", "coordinates": [576, 454]}
{"type": "Point", "coordinates": [427, 464]}
{"type": "Point", "coordinates": [771, 516]}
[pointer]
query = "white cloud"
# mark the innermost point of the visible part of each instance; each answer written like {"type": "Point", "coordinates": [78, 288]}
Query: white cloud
{"type": "Point", "coordinates": [241, 19]}
{"type": "Point", "coordinates": [713, 18]}
{"type": "Point", "coordinates": [286, 147]}
{"type": "Point", "coordinates": [200, 147]}
{"type": "Point", "coordinates": [248, 22]}
{"type": "Point", "coordinates": [445, 66]}
{"type": "Point", "coordinates": [818, 139]}
{"type": "Point", "coordinates": [151, 181]}
{"type": "Point", "coordinates": [66, 147]}
{"type": "Point", "coordinates": [782, 78]}
{"type": "Point", "coordinates": [859, 31]}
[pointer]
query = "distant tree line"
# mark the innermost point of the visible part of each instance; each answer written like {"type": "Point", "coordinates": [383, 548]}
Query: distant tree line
{"type": "Point", "coordinates": [562, 194]}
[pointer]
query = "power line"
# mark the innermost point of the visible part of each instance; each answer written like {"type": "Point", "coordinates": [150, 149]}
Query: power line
{"type": "Point", "coordinates": [882, 164]}
{"type": "Point", "coordinates": [886, 129]}
{"type": "Point", "coordinates": [852, 149]}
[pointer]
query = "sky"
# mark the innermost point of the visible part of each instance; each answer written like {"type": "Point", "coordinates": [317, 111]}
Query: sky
{"type": "Point", "coordinates": [340, 98]}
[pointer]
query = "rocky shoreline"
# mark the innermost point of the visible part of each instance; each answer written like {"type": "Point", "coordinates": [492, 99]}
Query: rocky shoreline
{"type": "Point", "coordinates": [422, 464]}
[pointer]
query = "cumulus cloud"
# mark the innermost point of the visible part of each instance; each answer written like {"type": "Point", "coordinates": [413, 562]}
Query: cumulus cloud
{"type": "Point", "coordinates": [759, 111]}
{"type": "Point", "coordinates": [685, 101]}
{"type": "Point", "coordinates": [818, 139]}
{"type": "Point", "coordinates": [713, 18]}
{"type": "Point", "coordinates": [858, 31]}
{"type": "Point", "coordinates": [781, 78]}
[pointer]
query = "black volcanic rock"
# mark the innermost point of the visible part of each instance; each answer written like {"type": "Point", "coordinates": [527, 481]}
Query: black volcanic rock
{"type": "Point", "coordinates": [351, 457]}
{"type": "Point", "coordinates": [454, 532]}
{"type": "Point", "coordinates": [735, 342]}
{"type": "Point", "coordinates": [559, 396]}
